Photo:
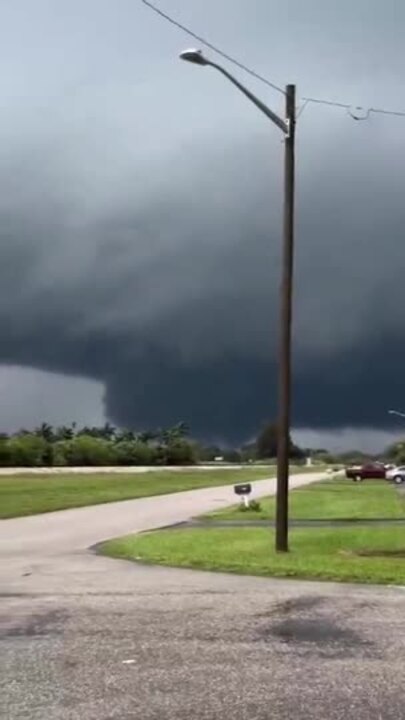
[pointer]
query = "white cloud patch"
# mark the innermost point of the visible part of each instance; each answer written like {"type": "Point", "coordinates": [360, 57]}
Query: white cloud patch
{"type": "Point", "coordinates": [368, 440]}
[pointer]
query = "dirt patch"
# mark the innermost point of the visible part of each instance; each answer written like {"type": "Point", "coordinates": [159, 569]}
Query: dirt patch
{"type": "Point", "coordinates": [293, 605]}
{"type": "Point", "coordinates": [310, 626]}
{"type": "Point", "coordinates": [39, 625]}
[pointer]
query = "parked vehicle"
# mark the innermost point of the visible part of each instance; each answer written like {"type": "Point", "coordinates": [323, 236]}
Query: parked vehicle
{"type": "Point", "coordinates": [373, 470]}
{"type": "Point", "coordinates": [397, 474]}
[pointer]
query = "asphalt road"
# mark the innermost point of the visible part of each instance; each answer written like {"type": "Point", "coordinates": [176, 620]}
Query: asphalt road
{"type": "Point", "coordinates": [89, 638]}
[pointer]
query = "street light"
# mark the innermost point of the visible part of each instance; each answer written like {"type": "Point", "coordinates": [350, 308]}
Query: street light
{"type": "Point", "coordinates": [287, 126]}
{"type": "Point", "coordinates": [396, 412]}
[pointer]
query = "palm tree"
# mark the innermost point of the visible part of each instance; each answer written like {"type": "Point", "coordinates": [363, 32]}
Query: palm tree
{"type": "Point", "coordinates": [108, 431]}
{"type": "Point", "coordinates": [177, 432]}
{"type": "Point", "coordinates": [124, 436]}
{"type": "Point", "coordinates": [147, 435]}
{"type": "Point", "coordinates": [65, 432]}
{"type": "Point", "coordinates": [45, 431]}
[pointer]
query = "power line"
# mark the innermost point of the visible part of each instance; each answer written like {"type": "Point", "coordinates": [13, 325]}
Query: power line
{"type": "Point", "coordinates": [208, 44]}
{"type": "Point", "coordinates": [362, 114]}
{"type": "Point", "coordinates": [349, 107]}
{"type": "Point", "coordinates": [398, 113]}
{"type": "Point", "coordinates": [319, 101]}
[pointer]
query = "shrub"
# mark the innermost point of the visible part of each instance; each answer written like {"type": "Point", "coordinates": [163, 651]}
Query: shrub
{"type": "Point", "coordinates": [28, 451]}
{"type": "Point", "coordinates": [253, 505]}
{"type": "Point", "coordinates": [85, 450]}
{"type": "Point", "coordinates": [6, 456]}
{"type": "Point", "coordinates": [134, 453]}
{"type": "Point", "coordinates": [178, 452]}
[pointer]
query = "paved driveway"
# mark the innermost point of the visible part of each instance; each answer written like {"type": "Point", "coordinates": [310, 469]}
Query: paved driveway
{"type": "Point", "coordinates": [88, 638]}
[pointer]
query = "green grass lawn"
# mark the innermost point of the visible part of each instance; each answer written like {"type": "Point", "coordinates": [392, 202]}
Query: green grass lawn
{"type": "Point", "coordinates": [327, 554]}
{"type": "Point", "coordinates": [330, 499]}
{"type": "Point", "coordinates": [358, 554]}
{"type": "Point", "coordinates": [32, 494]}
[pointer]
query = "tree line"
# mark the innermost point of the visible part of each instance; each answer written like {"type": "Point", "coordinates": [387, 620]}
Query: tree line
{"type": "Point", "coordinates": [93, 446]}
{"type": "Point", "coordinates": [69, 445]}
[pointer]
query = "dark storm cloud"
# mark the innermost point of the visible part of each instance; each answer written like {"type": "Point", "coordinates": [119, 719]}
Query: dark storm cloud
{"type": "Point", "coordinates": [172, 302]}
{"type": "Point", "coordinates": [141, 248]}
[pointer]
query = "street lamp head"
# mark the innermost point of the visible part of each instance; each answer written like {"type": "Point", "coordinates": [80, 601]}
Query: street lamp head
{"type": "Point", "coordinates": [194, 56]}
{"type": "Point", "coordinates": [400, 413]}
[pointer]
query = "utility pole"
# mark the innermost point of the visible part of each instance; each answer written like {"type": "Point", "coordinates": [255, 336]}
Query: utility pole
{"type": "Point", "coordinates": [287, 126]}
{"type": "Point", "coordinates": [286, 300]}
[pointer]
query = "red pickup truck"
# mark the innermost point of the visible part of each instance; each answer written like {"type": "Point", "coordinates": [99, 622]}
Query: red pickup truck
{"type": "Point", "coordinates": [373, 470]}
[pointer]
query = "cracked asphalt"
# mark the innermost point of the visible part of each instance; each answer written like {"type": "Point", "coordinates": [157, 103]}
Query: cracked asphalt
{"type": "Point", "coordinates": [91, 638]}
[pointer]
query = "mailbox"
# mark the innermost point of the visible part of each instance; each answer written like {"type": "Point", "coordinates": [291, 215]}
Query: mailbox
{"type": "Point", "coordinates": [243, 489]}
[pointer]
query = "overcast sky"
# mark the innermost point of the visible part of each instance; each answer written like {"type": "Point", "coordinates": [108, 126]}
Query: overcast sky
{"type": "Point", "coordinates": [140, 217]}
